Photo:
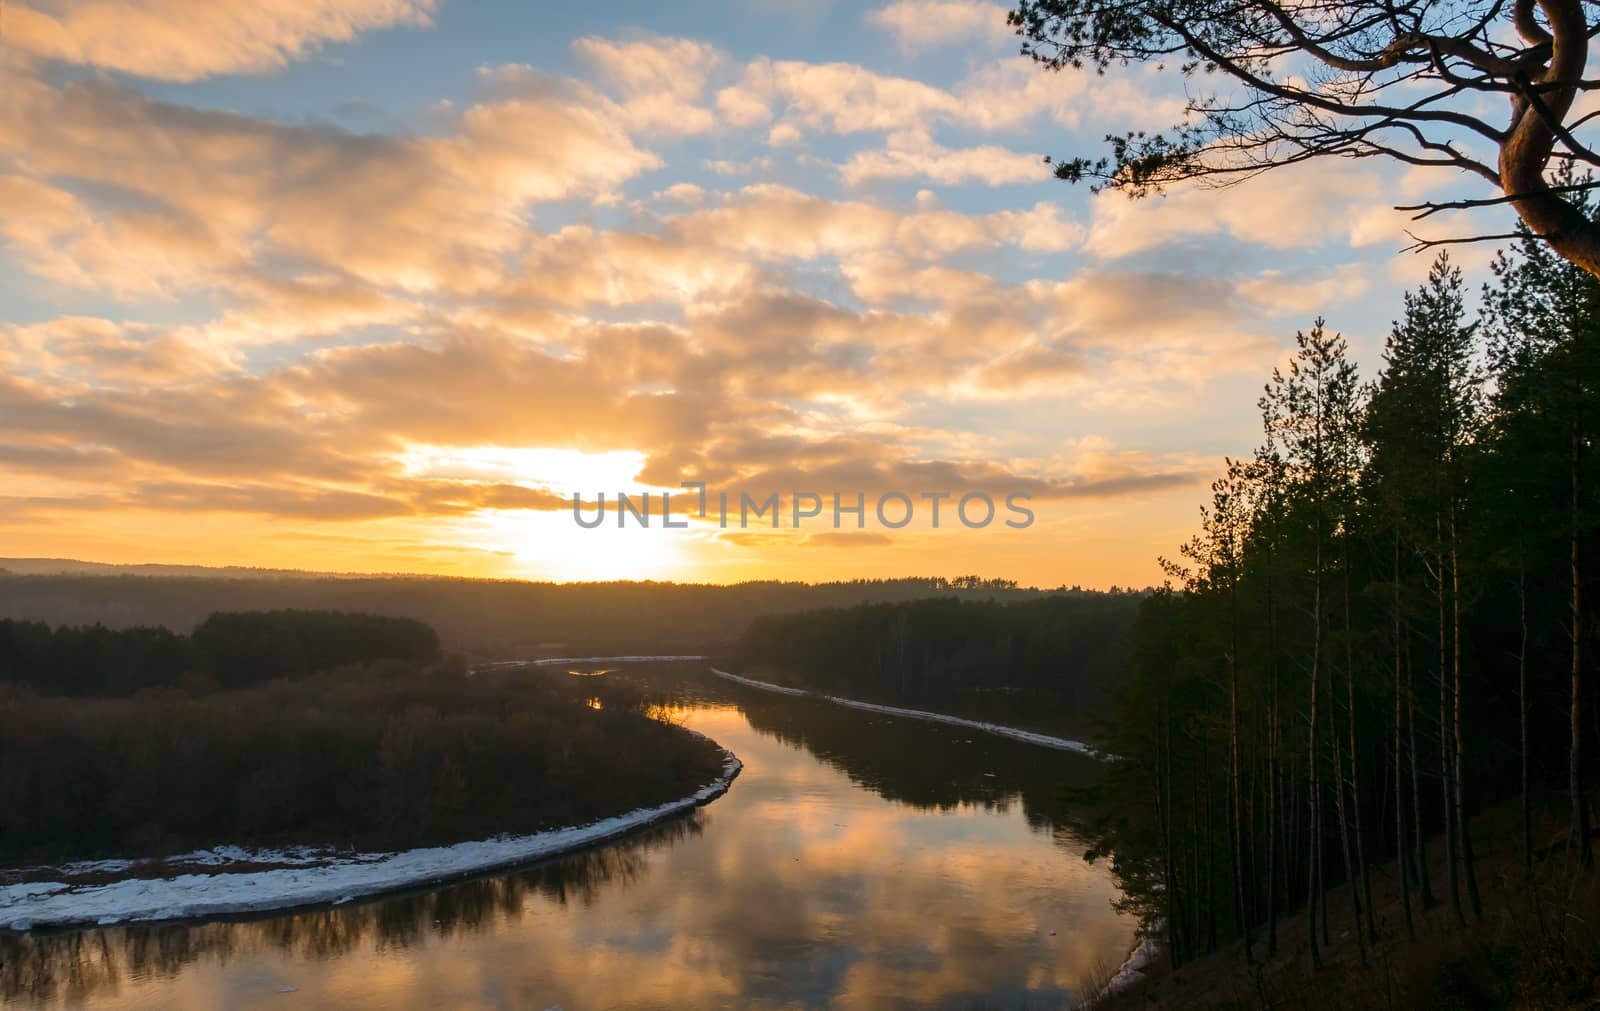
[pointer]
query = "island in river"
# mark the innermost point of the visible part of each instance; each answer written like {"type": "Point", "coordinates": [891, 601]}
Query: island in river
{"type": "Point", "coordinates": [127, 800]}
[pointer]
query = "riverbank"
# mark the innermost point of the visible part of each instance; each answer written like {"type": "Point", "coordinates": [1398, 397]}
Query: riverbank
{"type": "Point", "coordinates": [551, 661]}
{"type": "Point", "coordinates": [303, 877]}
{"type": "Point", "coordinates": [1016, 734]}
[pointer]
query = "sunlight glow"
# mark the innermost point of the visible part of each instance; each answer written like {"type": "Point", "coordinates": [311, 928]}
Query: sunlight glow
{"type": "Point", "coordinates": [545, 545]}
{"type": "Point", "coordinates": [563, 471]}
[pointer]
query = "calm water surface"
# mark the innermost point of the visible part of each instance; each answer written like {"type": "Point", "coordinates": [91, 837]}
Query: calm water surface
{"type": "Point", "coordinates": [858, 862]}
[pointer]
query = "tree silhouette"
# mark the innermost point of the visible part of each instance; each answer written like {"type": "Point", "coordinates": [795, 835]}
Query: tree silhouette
{"type": "Point", "coordinates": [1406, 81]}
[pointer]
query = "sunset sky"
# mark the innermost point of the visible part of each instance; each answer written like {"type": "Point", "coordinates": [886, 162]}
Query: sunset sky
{"type": "Point", "coordinates": [376, 285]}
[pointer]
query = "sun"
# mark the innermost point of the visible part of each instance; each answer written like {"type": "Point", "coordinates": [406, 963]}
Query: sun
{"type": "Point", "coordinates": [550, 544]}
{"type": "Point", "coordinates": [544, 545]}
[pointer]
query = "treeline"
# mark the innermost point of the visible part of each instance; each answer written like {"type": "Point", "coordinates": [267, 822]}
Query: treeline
{"type": "Point", "coordinates": [1041, 661]}
{"type": "Point", "coordinates": [382, 756]}
{"type": "Point", "coordinates": [1382, 626]}
{"type": "Point", "coordinates": [227, 650]}
{"type": "Point", "coordinates": [490, 618]}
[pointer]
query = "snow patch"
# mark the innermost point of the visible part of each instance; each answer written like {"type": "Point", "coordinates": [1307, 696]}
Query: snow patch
{"type": "Point", "coordinates": [551, 661]}
{"type": "Point", "coordinates": [763, 685]}
{"type": "Point", "coordinates": [333, 880]}
{"type": "Point", "coordinates": [1026, 736]}
{"type": "Point", "coordinates": [1133, 967]}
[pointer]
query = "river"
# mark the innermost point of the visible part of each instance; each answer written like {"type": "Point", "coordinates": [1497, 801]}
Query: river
{"type": "Point", "coordinates": [859, 862]}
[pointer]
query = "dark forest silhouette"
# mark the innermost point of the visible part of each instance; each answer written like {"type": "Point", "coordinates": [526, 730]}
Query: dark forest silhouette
{"type": "Point", "coordinates": [308, 728]}
{"type": "Point", "coordinates": [1045, 663]}
{"type": "Point", "coordinates": [1381, 633]}
{"type": "Point", "coordinates": [488, 618]}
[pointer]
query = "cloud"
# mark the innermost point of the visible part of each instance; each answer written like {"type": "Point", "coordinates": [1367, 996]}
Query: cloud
{"type": "Point", "coordinates": [180, 41]}
{"type": "Point", "coordinates": [1276, 210]}
{"type": "Point", "coordinates": [1004, 95]}
{"type": "Point", "coordinates": [121, 251]}
{"type": "Point", "coordinates": [1014, 92]}
{"type": "Point", "coordinates": [778, 222]}
{"type": "Point", "coordinates": [913, 154]}
{"type": "Point", "coordinates": [1307, 292]}
{"type": "Point", "coordinates": [926, 24]}
{"type": "Point", "coordinates": [101, 352]}
{"type": "Point", "coordinates": [843, 539]}
{"type": "Point", "coordinates": [580, 266]}
{"type": "Point", "coordinates": [682, 193]}
{"type": "Point", "coordinates": [168, 198]}
{"type": "Point", "coordinates": [1033, 365]}
{"type": "Point", "coordinates": [264, 318]}
{"type": "Point", "coordinates": [838, 97]}
{"type": "Point", "coordinates": [660, 81]}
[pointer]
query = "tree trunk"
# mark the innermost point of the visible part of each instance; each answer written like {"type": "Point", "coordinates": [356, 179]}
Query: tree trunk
{"type": "Point", "coordinates": [1344, 823]}
{"type": "Point", "coordinates": [1402, 857]}
{"type": "Point", "coordinates": [1169, 886]}
{"type": "Point", "coordinates": [1419, 836]}
{"type": "Point", "coordinates": [1314, 870]}
{"type": "Point", "coordinates": [1580, 804]}
{"type": "Point", "coordinates": [1273, 766]}
{"type": "Point", "coordinates": [1211, 852]}
{"type": "Point", "coordinates": [1241, 914]}
{"type": "Point", "coordinates": [1452, 876]}
{"type": "Point", "coordinates": [1463, 834]}
{"type": "Point", "coordinates": [1522, 717]}
{"type": "Point", "coordinates": [1294, 835]}
{"type": "Point", "coordinates": [1355, 755]}
{"type": "Point", "coordinates": [1525, 151]}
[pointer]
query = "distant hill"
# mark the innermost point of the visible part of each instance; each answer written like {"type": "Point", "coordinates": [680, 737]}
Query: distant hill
{"type": "Point", "coordinates": [482, 617]}
{"type": "Point", "coordinates": [74, 567]}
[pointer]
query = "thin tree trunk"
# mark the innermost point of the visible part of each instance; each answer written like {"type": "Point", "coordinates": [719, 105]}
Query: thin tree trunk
{"type": "Point", "coordinates": [1580, 805]}
{"type": "Point", "coordinates": [1250, 785]}
{"type": "Point", "coordinates": [1445, 778]}
{"type": "Point", "coordinates": [1344, 824]}
{"type": "Point", "coordinates": [1463, 833]}
{"type": "Point", "coordinates": [1294, 834]}
{"type": "Point", "coordinates": [1355, 755]}
{"type": "Point", "coordinates": [1402, 855]}
{"type": "Point", "coordinates": [1164, 826]}
{"type": "Point", "coordinates": [1314, 870]}
{"type": "Point", "coordinates": [1419, 836]}
{"type": "Point", "coordinates": [1522, 717]}
{"type": "Point", "coordinates": [1211, 853]}
{"type": "Point", "coordinates": [1273, 766]}
{"type": "Point", "coordinates": [1240, 912]}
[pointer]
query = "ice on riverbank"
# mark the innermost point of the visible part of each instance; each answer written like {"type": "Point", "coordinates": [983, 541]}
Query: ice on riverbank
{"type": "Point", "coordinates": [763, 685]}
{"type": "Point", "coordinates": [1026, 736]}
{"type": "Point", "coordinates": [551, 661]}
{"type": "Point", "coordinates": [1133, 967]}
{"type": "Point", "coordinates": [305, 881]}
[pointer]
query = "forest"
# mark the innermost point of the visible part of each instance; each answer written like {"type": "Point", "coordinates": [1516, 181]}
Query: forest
{"type": "Point", "coordinates": [231, 650]}
{"type": "Point", "coordinates": [486, 618]}
{"type": "Point", "coordinates": [1043, 663]}
{"type": "Point", "coordinates": [308, 728]}
{"type": "Point", "coordinates": [1362, 695]}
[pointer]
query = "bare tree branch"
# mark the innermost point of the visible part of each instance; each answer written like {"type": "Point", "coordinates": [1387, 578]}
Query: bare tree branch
{"type": "Point", "coordinates": [1295, 81]}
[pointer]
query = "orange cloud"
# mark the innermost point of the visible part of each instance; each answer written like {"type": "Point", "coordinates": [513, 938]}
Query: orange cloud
{"type": "Point", "coordinates": [179, 41]}
{"type": "Point", "coordinates": [925, 24]}
{"type": "Point", "coordinates": [183, 195]}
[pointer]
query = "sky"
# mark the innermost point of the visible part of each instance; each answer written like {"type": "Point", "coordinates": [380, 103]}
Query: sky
{"type": "Point", "coordinates": [380, 285]}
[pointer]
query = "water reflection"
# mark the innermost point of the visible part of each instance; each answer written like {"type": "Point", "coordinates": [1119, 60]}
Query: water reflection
{"type": "Point", "coordinates": [893, 757]}
{"type": "Point", "coordinates": [70, 965]}
{"type": "Point", "coordinates": [859, 862]}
